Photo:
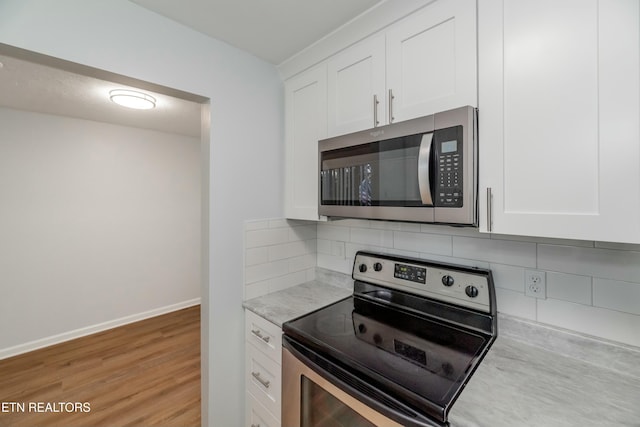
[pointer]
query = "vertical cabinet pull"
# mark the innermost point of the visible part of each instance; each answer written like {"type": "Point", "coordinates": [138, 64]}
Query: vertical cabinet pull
{"type": "Point", "coordinates": [489, 213]}
{"type": "Point", "coordinates": [258, 334]}
{"type": "Point", "coordinates": [391, 97]}
{"type": "Point", "coordinates": [257, 376]}
{"type": "Point", "coordinates": [375, 111]}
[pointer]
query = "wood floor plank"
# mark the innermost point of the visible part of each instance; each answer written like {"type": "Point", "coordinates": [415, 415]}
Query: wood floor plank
{"type": "Point", "coordinates": [142, 374]}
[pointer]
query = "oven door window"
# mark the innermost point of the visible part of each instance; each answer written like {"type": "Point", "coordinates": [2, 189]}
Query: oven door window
{"type": "Point", "coordinates": [382, 173]}
{"type": "Point", "coordinates": [321, 409]}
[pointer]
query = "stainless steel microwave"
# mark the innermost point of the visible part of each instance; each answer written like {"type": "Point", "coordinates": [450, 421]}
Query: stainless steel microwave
{"type": "Point", "coordinates": [419, 170]}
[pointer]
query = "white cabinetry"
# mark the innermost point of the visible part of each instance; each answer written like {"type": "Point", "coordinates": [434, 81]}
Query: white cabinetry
{"type": "Point", "coordinates": [305, 124]}
{"type": "Point", "coordinates": [356, 85]}
{"type": "Point", "coordinates": [431, 60]}
{"type": "Point", "coordinates": [263, 376]}
{"type": "Point", "coordinates": [422, 64]}
{"type": "Point", "coordinates": [559, 118]}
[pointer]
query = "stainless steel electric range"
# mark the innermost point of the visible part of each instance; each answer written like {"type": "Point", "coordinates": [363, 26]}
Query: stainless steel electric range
{"type": "Point", "coordinates": [398, 352]}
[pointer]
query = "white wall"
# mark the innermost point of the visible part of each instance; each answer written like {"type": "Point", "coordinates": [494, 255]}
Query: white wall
{"type": "Point", "coordinates": [243, 162]}
{"type": "Point", "coordinates": [100, 224]}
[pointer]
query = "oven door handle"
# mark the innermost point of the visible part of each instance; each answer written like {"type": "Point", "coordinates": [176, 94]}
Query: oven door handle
{"type": "Point", "coordinates": [354, 386]}
{"type": "Point", "coordinates": [424, 160]}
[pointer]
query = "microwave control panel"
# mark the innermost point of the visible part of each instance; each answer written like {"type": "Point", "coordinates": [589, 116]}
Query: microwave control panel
{"type": "Point", "coordinates": [449, 167]}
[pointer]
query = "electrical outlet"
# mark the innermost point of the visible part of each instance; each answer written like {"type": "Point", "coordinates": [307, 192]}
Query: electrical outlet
{"type": "Point", "coordinates": [535, 284]}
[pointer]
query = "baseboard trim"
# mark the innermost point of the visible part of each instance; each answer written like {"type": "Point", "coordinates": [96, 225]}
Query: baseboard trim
{"type": "Point", "coordinates": [78, 333]}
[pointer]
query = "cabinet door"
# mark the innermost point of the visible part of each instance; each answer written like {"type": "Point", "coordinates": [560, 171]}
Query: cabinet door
{"type": "Point", "coordinates": [559, 118]}
{"type": "Point", "coordinates": [431, 60]}
{"type": "Point", "coordinates": [356, 87]}
{"type": "Point", "coordinates": [305, 124]}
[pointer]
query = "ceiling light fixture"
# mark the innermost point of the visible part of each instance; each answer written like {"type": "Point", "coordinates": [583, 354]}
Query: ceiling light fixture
{"type": "Point", "coordinates": [132, 99]}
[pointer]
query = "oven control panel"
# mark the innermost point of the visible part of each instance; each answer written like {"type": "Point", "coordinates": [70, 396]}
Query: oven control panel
{"type": "Point", "coordinates": [443, 282]}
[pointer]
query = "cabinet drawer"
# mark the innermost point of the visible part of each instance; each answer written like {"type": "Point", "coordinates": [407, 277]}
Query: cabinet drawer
{"type": "Point", "coordinates": [263, 379]}
{"type": "Point", "coordinates": [263, 334]}
{"type": "Point", "coordinates": [257, 415]}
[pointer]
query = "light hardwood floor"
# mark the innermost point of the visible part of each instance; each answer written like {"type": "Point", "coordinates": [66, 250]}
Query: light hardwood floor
{"type": "Point", "coordinates": [142, 374]}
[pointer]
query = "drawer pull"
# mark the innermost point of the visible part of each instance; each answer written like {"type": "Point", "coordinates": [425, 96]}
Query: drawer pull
{"type": "Point", "coordinates": [257, 376]}
{"type": "Point", "coordinates": [255, 425]}
{"type": "Point", "coordinates": [258, 334]}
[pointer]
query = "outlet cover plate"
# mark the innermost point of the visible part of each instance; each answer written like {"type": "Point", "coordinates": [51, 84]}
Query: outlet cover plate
{"type": "Point", "coordinates": [535, 283]}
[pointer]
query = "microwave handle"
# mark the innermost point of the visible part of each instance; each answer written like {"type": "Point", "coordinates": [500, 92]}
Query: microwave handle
{"type": "Point", "coordinates": [424, 159]}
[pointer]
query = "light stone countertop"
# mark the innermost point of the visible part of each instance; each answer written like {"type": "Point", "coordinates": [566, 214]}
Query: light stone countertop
{"type": "Point", "coordinates": [533, 375]}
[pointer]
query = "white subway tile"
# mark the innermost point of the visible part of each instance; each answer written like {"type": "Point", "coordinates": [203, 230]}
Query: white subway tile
{"type": "Point", "coordinates": [292, 249]}
{"type": "Point", "coordinates": [338, 264]}
{"type": "Point", "coordinates": [256, 225]}
{"type": "Point", "coordinates": [454, 260]}
{"type": "Point", "coordinates": [507, 252]}
{"type": "Point", "coordinates": [544, 240]}
{"type": "Point", "coordinates": [569, 287]}
{"type": "Point", "coordinates": [268, 237]}
{"type": "Point", "coordinates": [310, 274]}
{"type": "Point", "coordinates": [368, 236]}
{"type": "Point", "coordinates": [324, 246]}
{"type": "Point", "coordinates": [287, 281]}
{"type": "Point", "coordinates": [302, 262]}
{"type": "Point", "coordinates": [359, 223]}
{"type": "Point", "coordinates": [338, 249]}
{"type": "Point", "coordinates": [453, 231]}
{"type": "Point", "coordinates": [260, 272]}
{"type": "Point", "coordinates": [306, 232]}
{"type": "Point", "coordinates": [617, 295]}
{"type": "Point", "coordinates": [333, 232]}
{"type": "Point", "coordinates": [515, 304]}
{"type": "Point", "coordinates": [618, 246]}
{"type": "Point", "coordinates": [255, 256]}
{"type": "Point", "coordinates": [600, 322]}
{"type": "Point", "coordinates": [422, 242]}
{"type": "Point", "coordinates": [255, 290]}
{"type": "Point", "coordinates": [602, 263]}
{"type": "Point", "coordinates": [352, 248]}
{"type": "Point", "coordinates": [508, 277]}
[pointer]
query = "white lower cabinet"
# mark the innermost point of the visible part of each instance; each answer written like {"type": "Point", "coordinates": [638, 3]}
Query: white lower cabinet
{"type": "Point", "coordinates": [263, 372]}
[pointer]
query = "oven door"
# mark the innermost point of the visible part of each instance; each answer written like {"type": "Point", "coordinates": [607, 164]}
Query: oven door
{"type": "Point", "coordinates": [318, 393]}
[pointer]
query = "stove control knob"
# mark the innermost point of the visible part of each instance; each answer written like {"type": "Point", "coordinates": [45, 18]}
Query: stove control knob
{"type": "Point", "coordinates": [471, 291]}
{"type": "Point", "coordinates": [447, 280]}
{"type": "Point", "coordinates": [362, 268]}
{"type": "Point", "coordinates": [377, 266]}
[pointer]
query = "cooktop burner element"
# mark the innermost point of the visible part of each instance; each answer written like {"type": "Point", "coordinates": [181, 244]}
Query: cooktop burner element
{"type": "Point", "coordinates": [414, 329]}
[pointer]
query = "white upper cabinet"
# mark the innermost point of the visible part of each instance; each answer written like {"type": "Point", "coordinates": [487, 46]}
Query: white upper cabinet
{"type": "Point", "coordinates": [305, 124]}
{"type": "Point", "coordinates": [559, 118]}
{"type": "Point", "coordinates": [356, 85]}
{"type": "Point", "coordinates": [431, 60]}
{"type": "Point", "coordinates": [421, 65]}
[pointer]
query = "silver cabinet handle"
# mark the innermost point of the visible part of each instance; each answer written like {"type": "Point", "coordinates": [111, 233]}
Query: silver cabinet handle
{"type": "Point", "coordinates": [257, 376]}
{"type": "Point", "coordinates": [255, 425]}
{"type": "Point", "coordinates": [391, 98]}
{"type": "Point", "coordinates": [375, 111]}
{"type": "Point", "coordinates": [258, 334]}
{"type": "Point", "coordinates": [489, 213]}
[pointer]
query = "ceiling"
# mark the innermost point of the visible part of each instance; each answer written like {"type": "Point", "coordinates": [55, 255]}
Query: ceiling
{"type": "Point", "coordinates": [273, 30]}
{"type": "Point", "coordinates": [30, 85]}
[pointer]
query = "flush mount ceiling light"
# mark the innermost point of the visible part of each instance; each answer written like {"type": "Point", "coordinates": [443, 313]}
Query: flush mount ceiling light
{"type": "Point", "coordinates": [132, 99]}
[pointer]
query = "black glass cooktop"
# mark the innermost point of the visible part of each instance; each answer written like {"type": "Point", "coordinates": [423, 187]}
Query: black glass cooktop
{"type": "Point", "coordinates": [420, 360]}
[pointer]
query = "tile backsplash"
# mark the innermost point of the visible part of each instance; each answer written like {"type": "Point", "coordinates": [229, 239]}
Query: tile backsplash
{"type": "Point", "coordinates": [278, 254]}
{"type": "Point", "coordinates": [592, 287]}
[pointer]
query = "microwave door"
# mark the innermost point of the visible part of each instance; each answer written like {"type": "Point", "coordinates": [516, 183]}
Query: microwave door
{"type": "Point", "coordinates": [424, 161]}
